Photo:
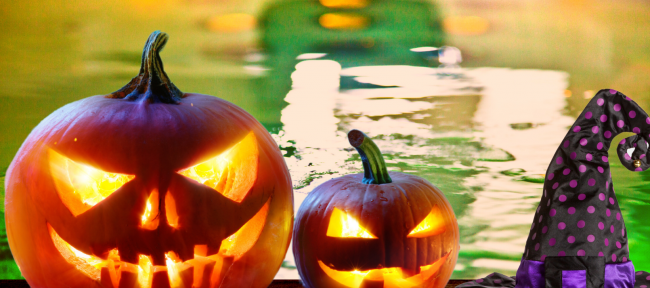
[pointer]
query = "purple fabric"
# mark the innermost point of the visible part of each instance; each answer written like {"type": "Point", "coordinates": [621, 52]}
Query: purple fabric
{"type": "Point", "coordinates": [619, 275]}
{"type": "Point", "coordinates": [574, 279]}
{"type": "Point", "coordinates": [530, 274]}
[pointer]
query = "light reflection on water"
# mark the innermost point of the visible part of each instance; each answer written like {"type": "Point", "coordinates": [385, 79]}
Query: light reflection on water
{"type": "Point", "coordinates": [455, 132]}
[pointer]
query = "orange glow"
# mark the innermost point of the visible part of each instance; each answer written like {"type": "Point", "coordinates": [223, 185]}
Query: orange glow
{"type": "Point", "coordinates": [433, 224]}
{"type": "Point", "coordinates": [145, 271]}
{"type": "Point", "coordinates": [344, 226]}
{"type": "Point", "coordinates": [350, 279]}
{"type": "Point", "coordinates": [343, 21]}
{"type": "Point", "coordinates": [344, 3]}
{"type": "Point", "coordinates": [87, 264]}
{"type": "Point", "coordinates": [243, 240]}
{"type": "Point", "coordinates": [177, 270]}
{"type": "Point", "coordinates": [429, 270]}
{"type": "Point", "coordinates": [150, 219]}
{"type": "Point", "coordinates": [235, 22]}
{"type": "Point", "coordinates": [232, 173]}
{"type": "Point", "coordinates": [567, 93]}
{"type": "Point", "coordinates": [221, 264]}
{"type": "Point", "coordinates": [171, 259]}
{"type": "Point", "coordinates": [170, 211]}
{"type": "Point", "coordinates": [393, 277]}
{"type": "Point", "coordinates": [81, 186]}
{"type": "Point", "coordinates": [467, 25]}
{"type": "Point", "coordinates": [200, 251]}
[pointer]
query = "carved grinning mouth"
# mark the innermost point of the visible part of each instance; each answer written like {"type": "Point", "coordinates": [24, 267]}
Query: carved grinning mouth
{"type": "Point", "coordinates": [344, 225]}
{"type": "Point", "coordinates": [202, 271]}
{"type": "Point", "coordinates": [392, 277]}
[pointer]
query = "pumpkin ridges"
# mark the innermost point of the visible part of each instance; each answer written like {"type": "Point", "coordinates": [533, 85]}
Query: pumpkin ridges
{"type": "Point", "coordinates": [434, 197]}
{"type": "Point", "coordinates": [431, 255]}
{"type": "Point", "coordinates": [411, 264]}
{"type": "Point", "coordinates": [70, 218]}
{"type": "Point", "coordinates": [315, 222]}
{"type": "Point", "coordinates": [349, 202]}
{"type": "Point", "coordinates": [282, 177]}
{"type": "Point", "coordinates": [389, 211]}
{"type": "Point", "coordinates": [375, 226]}
{"type": "Point", "coordinates": [115, 130]}
{"type": "Point", "coordinates": [395, 244]}
{"type": "Point", "coordinates": [20, 212]}
{"type": "Point", "coordinates": [279, 202]}
{"type": "Point", "coordinates": [428, 255]}
{"type": "Point", "coordinates": [453, 234]}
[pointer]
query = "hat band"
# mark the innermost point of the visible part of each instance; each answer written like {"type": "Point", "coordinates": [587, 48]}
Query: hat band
{"type": "Point", "coordinates": [532, 274]}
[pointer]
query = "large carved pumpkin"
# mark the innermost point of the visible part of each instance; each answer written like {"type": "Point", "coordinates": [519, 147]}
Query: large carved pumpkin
{"type": "Point", "coordinates": [149, 187]}
{"type": "Point", "coordinates": [375, 229]}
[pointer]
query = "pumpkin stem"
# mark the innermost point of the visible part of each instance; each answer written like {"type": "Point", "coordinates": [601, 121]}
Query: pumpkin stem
{"type": "Point", "coordinates": [374, 167]}
{"type": "Point", "coordinates": [152, 84]}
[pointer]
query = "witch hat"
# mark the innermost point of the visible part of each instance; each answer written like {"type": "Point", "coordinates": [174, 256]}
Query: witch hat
{"type": "Point", "coordinates": [578, 236]}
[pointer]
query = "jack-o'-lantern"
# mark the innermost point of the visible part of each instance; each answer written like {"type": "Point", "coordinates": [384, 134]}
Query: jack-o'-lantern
{"type": "Point", "coordinates": [149, 187]}
{"type": "Point", "coordinates": [375, 229]}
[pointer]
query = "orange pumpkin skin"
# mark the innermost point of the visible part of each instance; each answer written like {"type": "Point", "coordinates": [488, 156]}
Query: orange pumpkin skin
{"type": "Point", "coordinates": [388, 212]}
{"type": "Point", "coordinates": [154, 143]}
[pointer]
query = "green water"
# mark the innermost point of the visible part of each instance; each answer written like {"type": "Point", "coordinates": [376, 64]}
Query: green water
{"type": "Point", "coordinates": [53, 53]}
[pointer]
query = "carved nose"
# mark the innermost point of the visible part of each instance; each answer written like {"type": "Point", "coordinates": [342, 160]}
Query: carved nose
{"type": "Point", "coordinates": [157, 210]}
{"type": "Point", "coordinates": [151, 216]}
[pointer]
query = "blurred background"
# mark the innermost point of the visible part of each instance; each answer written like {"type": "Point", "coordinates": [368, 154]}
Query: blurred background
{"type": "Point", "coordinates": [473, 95]}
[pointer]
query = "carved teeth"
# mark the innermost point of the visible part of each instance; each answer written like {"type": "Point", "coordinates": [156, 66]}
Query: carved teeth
{"type": "Point", "coordinates": [201, 272]}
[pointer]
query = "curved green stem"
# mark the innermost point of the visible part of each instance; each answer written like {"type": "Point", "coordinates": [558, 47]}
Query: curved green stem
{"type": "Point", "coordinates": [152, 84]}
{"type": "Point", "coordinates": [374, 167]}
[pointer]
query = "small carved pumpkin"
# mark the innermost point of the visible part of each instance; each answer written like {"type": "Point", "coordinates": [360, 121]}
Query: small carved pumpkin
{"type": "Point", "coordinates": [376, 229]}
{"type": "Point", "coordinates": [149, 187]}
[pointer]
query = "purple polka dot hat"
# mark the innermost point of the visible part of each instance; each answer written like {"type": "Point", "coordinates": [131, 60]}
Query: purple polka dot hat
{"type": "Point", "coordinates": [578, 237]}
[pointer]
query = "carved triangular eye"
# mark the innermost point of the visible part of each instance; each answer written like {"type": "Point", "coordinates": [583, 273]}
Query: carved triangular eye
{"type": "Point", "coordinates": [80, 186]}
{"type": "Point", "coordinates": [232, 173]}
{"type": "Point", "coordinates": [433, 224]}
{"type": "Point", "coordinates": [343, 225]}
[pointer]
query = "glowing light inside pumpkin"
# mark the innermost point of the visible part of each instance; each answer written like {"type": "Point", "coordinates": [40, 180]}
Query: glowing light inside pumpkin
{"type": "Point", "coordinates": [177, 270]}
{"type": "Point", "coordinates": [433, 224]}
{"type": "Point", "coordinates": [242, 240]}
{"type": "Point", "coordinates": [232, 173]}
{"type": "Point", "coordinates": [145, 271]}
{"type": "Point", "coordinates": [170, 211]}
{"type": "Point", "coordinates": [87, 264]}
{"type": "Point", "coordinates": [393, 277]}
{"type": "Point", "coordinates": [200, 251]}
{"type": "Point", "coordinates": [150, 219]}
{"type": "Point", "coordinates": [344, 226]}
{"type": "Point", "coordinates": [171, 259]}
{"type": "Point", "coordinates": [147, 212]}
{"type": "Point", "coordinates": [81, 186]}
